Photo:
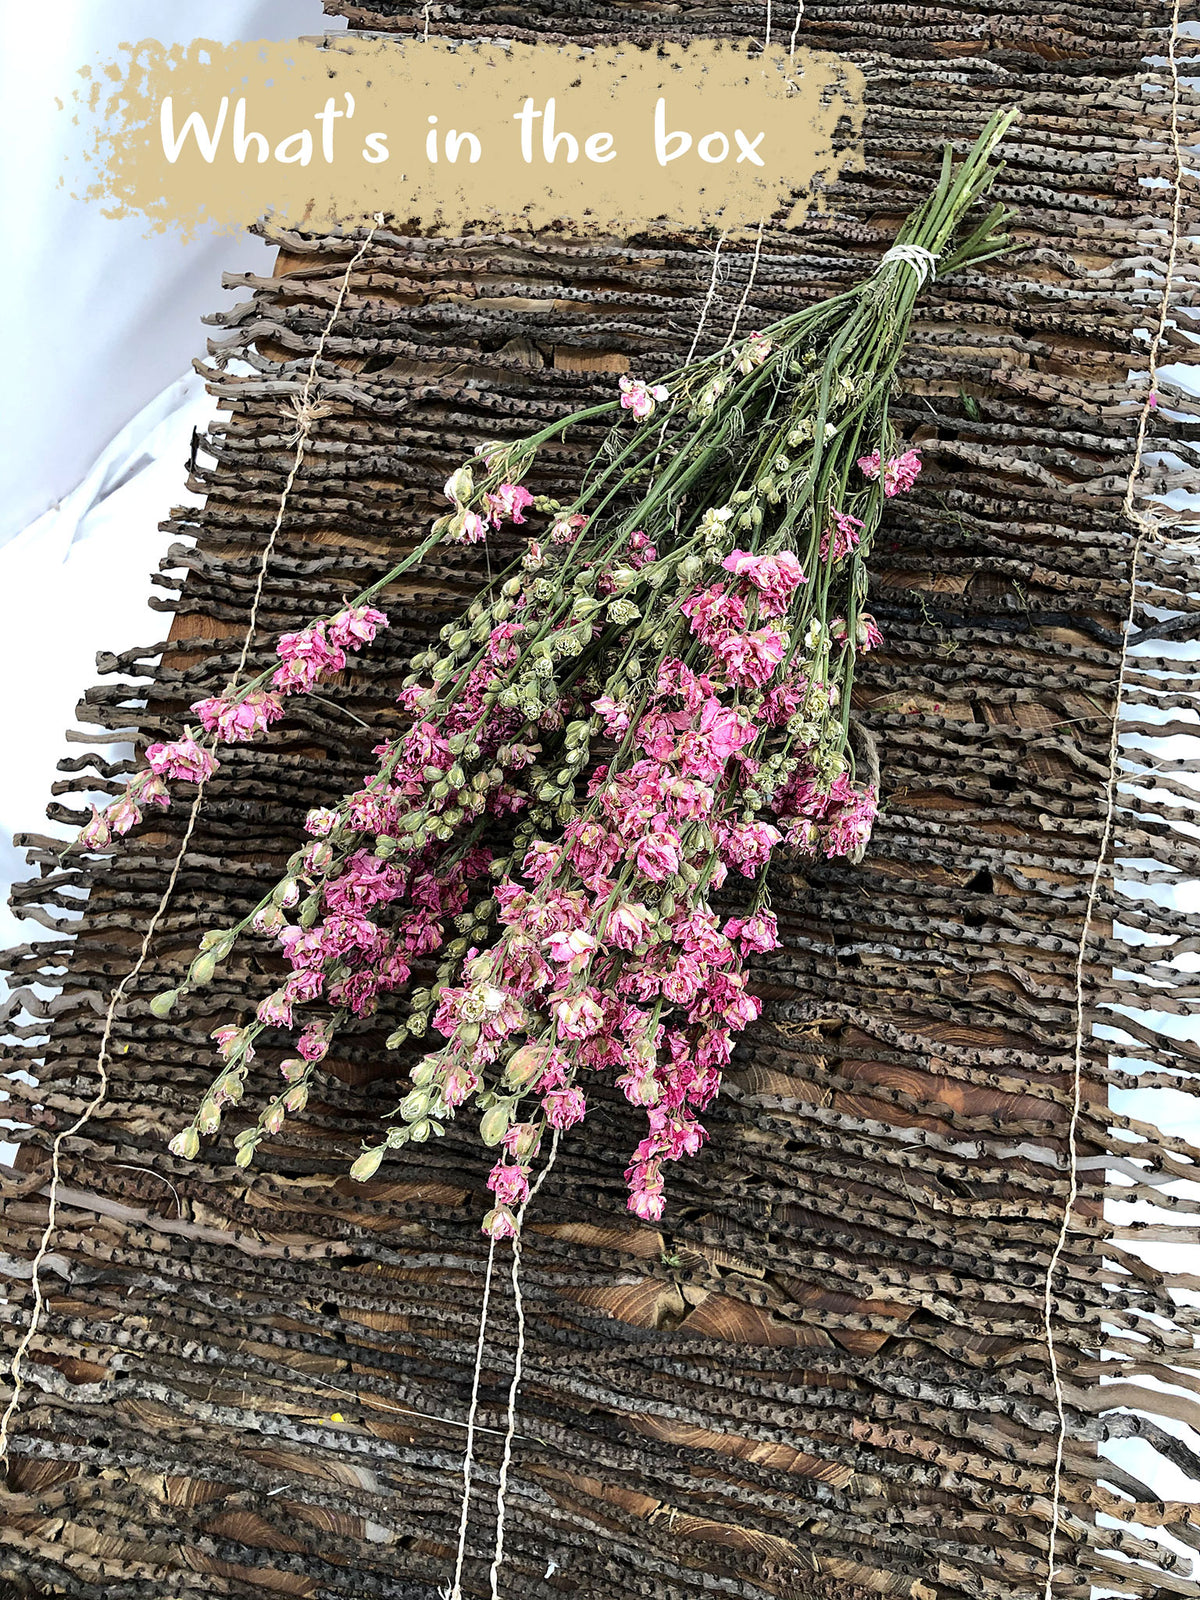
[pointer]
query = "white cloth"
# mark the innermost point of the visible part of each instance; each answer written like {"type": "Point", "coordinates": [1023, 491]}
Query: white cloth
{"type": "Point", "coordinates": [98, 399]}
{"type": "Point", "coordinates": [100, 314]}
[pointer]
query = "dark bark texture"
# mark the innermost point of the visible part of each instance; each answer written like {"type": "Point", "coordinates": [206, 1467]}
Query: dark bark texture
{"type": "Point", "coordinates": [825, 1374]}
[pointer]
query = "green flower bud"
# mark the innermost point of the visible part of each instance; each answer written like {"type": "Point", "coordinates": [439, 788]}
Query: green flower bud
{"type": "Point", "coordinates": [493, 1125]}
{"type": "Point", "coordinates": [202, 968]}
{"type": "Point", "coordinates": [367, 1164]}
{"type": "Point", "coordinates": [415, 1104]}
{"type": "Point", "coordinates": [185, 1144]}
{"type": "Point", "coordinates": [162, 1004]}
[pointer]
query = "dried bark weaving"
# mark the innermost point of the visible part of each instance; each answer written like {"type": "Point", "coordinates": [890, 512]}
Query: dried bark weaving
{"type": "Point", "coordinates": [826, 1373]}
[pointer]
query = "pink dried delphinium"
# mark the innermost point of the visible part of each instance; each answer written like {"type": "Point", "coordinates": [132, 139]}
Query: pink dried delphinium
{"type": "Point", "coordinates": [899, 473]}
{"type": "Point", "coordinates": [307, 657]}
{"type": "Point", "coordinates": [562, 857]}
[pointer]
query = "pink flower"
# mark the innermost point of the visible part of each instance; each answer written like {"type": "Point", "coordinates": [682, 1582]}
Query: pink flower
{"type": "Point", "coordinates": [750, 659]}
{"type": "Point", "coordinates": [845, 536]}
{"type": "Point", "coordinates": [468, 527]}
{"type": "Point", "coordinates": [723, 729]}
{"type": "Point", "coordinates": [564, 529]}
{"type": "Point", "coordinates": [122, 814]}
{"type": "Point", "coordinates": [182, 760]}
{"type": "Point", "coordinates": [641, 551]}
{"type": "Point", "coordinates": [640, 398]}
{"type": "Point", "coordinates": [355, 626]}
{"type": "Point", "coordinates": [627, 926]}
{"type": "Point", "coordinates": [615, 713]}
{"type": "Point", "coordinates": [522, 1140]}
{"type": "Point", "coordinates": [775, 577]}
{"type": "Point", "coordinates": [645, 1190]}
{"type": "Point", "coordinates": [541, 859]}
{"type": "Point", "coordinates": [759, 932]}
{"type": "Point", "coordinates": [659, 855]}
{"type": "Point", "coordinates": [640, 1086]}
{"type": "Point", "coordinates": [747, 845]}
{"type": "Point", "coordinates": [849, 826]}
{"type": "Point", "coordinates": [564, 1107]}
{"type": "Point", "coordinates": [236, 720]}
{"type": "Point", "coordinates": [227, 1041]}
{"type": "Point", "coordinates": [712, 612]}
{"type": "Point", "coordinates": [510, 1184]}
{"type": "Point", "coordinates": [307, 657]}
{"type": "Point", "coordinates": [508, 502]}
{"type": "Point", "coordinates": [866, 632]}
{"type": "Point", "coordinates": [578, 1016]}
{"type": "Point", "coordinates": [275, 1010]}
{"type": "Point", "coordinates": [148, 789]}
{"type": "Point", "coordinates": [500, 1223]}
{"type": "Point", "coordinates": [96, 833]}
{"type": "Point", "coordinates": [312, 1044]}
{"type": "Point", "coordinates": [899, 472]}
{"type": "Point", "coordinates": [594, 852]}
{"type": "Point", "coordinates": [571, 945]}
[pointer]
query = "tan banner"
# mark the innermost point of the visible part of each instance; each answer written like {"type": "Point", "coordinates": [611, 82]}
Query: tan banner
{"type": "Point", "coordinates": [442, 137]}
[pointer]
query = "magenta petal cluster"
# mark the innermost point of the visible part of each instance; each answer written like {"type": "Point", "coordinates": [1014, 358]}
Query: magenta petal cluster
{"type": "Point", "coordinates": [183, 760]}
{"type": "Point", "coordinates": [776, 577]}
{"type": "Point", "coordinates": [235, 719]}
{"type": "Point", "coordinates": [899, 472]}
{"type": "Point", "coordinates": [837, 542]}
{"type": "Point", "coordinates": [641, 398]}
{"type": "Point", "coordinates": [508, 503]}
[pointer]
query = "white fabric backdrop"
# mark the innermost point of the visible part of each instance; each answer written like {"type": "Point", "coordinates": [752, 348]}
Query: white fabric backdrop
{"type": "Point", "coordinates": [98, 398]}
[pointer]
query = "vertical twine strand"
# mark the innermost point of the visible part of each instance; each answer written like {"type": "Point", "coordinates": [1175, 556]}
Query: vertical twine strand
{"type": "Point", "coordinates": [306, 412]}
{"type": "Point", "coordinates": [455, 1590]}
{"type": "Point", "coordinates": [514, 1387]}
{"type": "Point", "coordinates": [1060, 1242]}
{"type": "Point", "coordinates": [1147, 528]}
{"type": "Point", "coordinates": [750, 277]}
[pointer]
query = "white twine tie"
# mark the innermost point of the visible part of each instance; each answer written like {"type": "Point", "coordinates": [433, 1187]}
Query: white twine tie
{"type": "Point", "coordinates": [922, 261]}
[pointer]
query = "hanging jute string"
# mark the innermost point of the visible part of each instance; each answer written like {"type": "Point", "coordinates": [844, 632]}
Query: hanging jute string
{"type": "Point", "coordinates": [307, 409]}
{"type": "Point", "coordinates": [750, 277]}
{"type": "Point", "coordinates": [514, 1387]}
{"type": "Point", "coordinates": [453, 1590]}
{"type": "Point", "coordinates": [1147, 528]}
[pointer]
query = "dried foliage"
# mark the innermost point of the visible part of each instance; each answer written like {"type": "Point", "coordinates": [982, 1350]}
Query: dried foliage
{"type": "Point", "coordinates": [829, 1377]}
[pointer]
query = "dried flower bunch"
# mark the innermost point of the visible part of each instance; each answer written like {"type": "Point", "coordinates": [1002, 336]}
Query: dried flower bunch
{"type": "Point", "coordinates": [653, 696]}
